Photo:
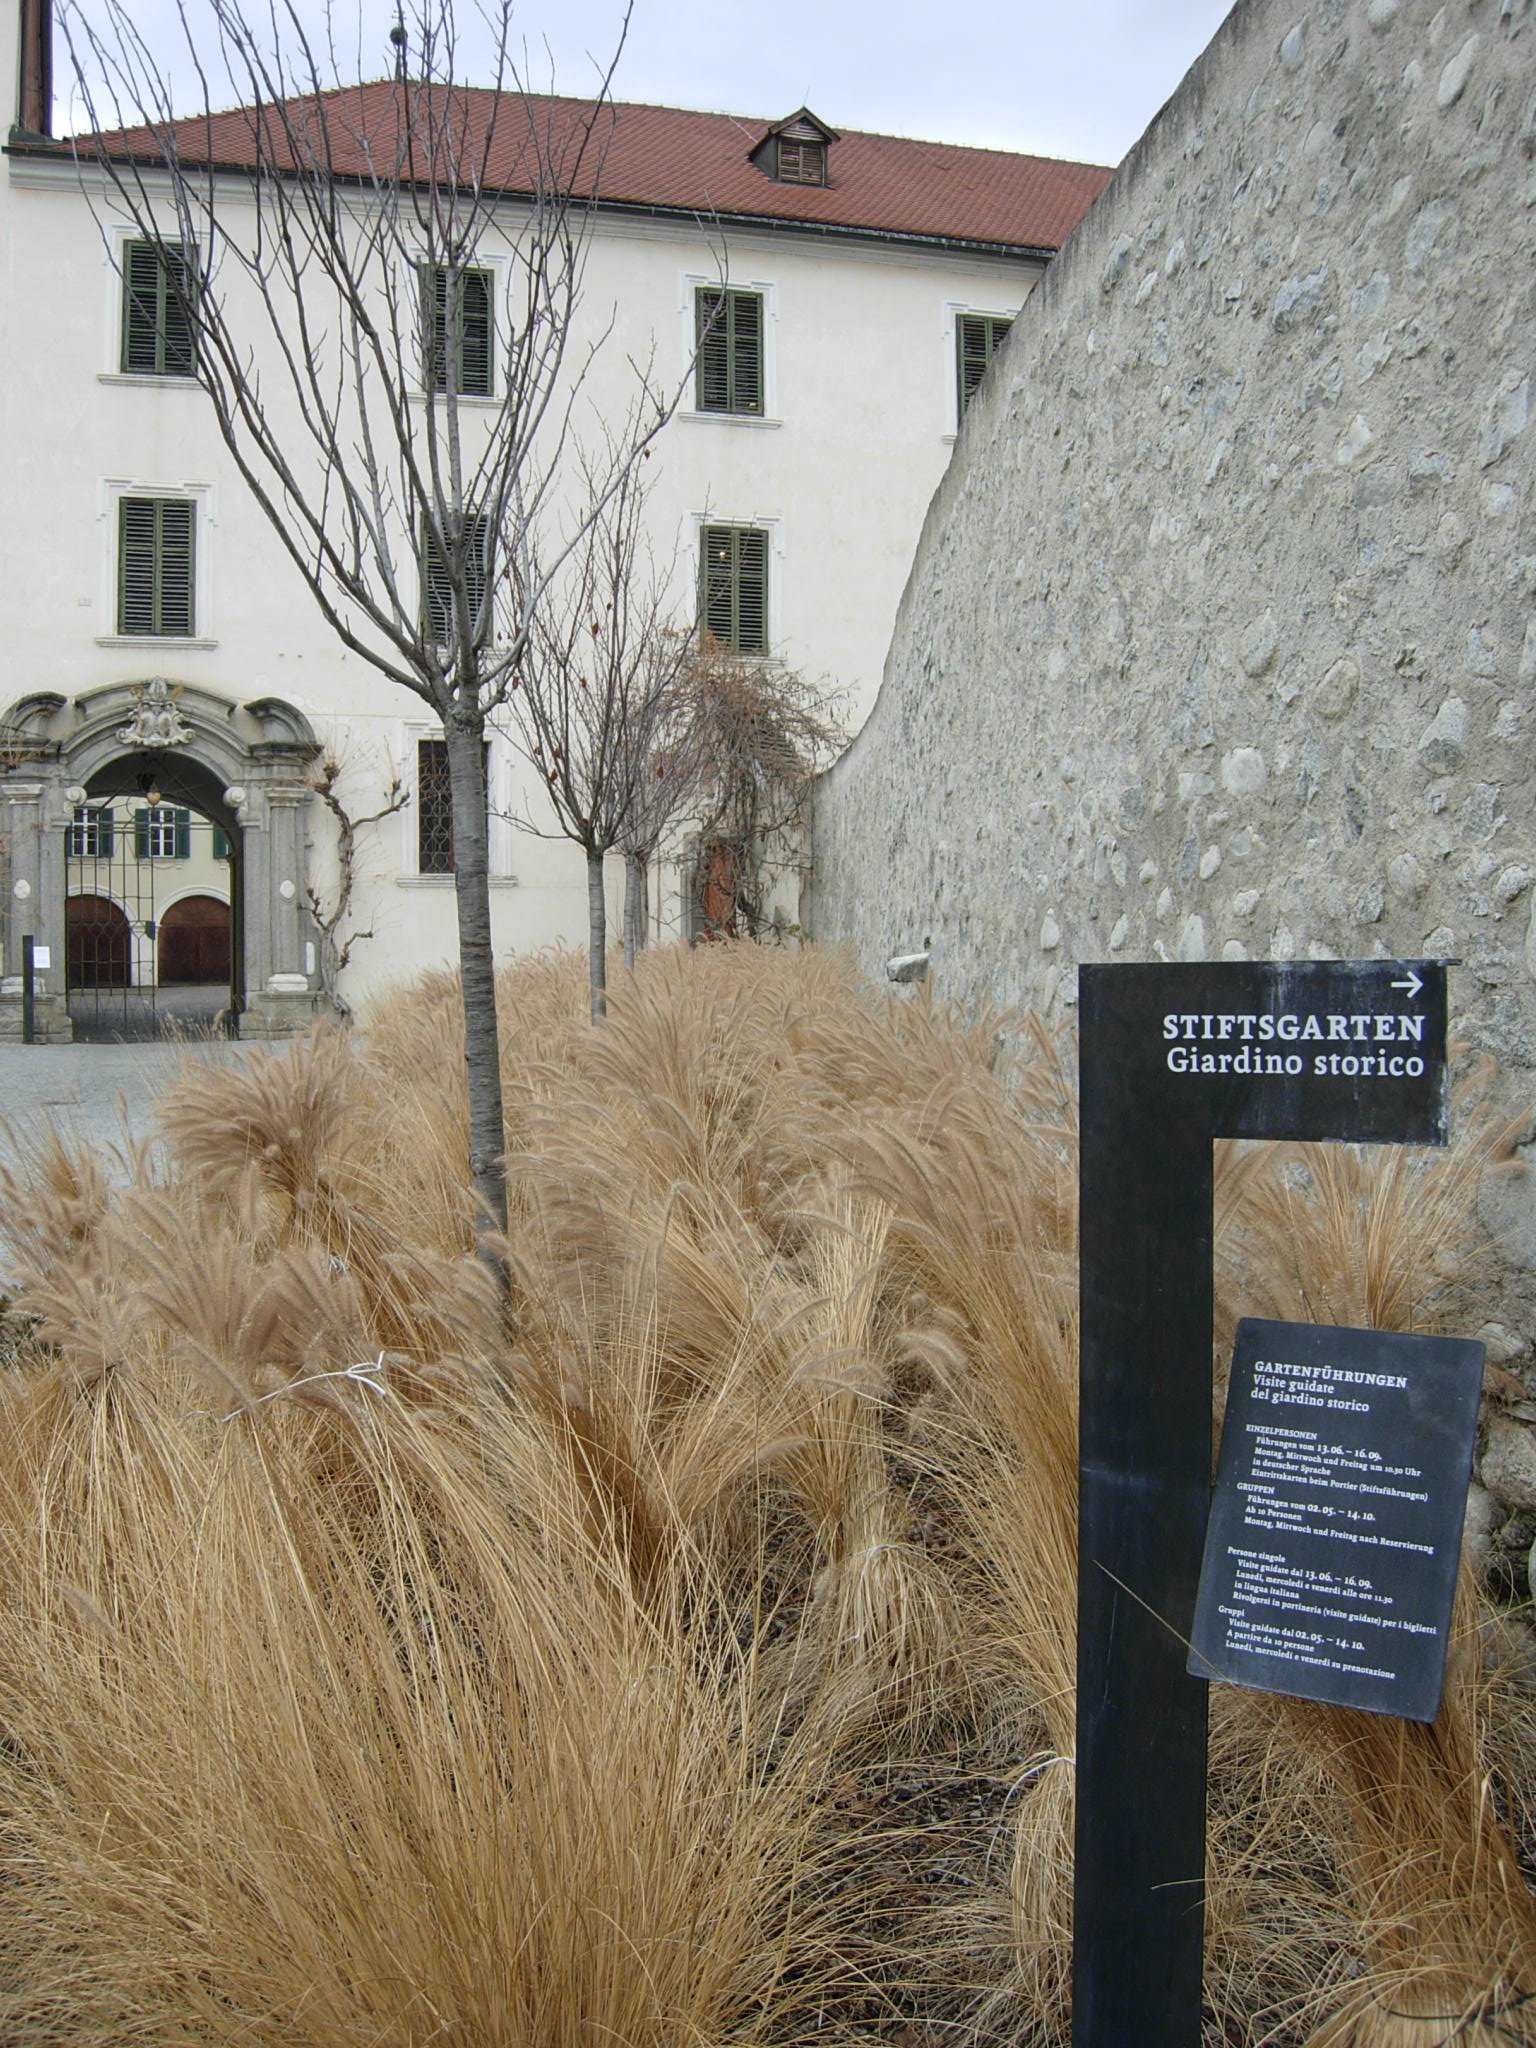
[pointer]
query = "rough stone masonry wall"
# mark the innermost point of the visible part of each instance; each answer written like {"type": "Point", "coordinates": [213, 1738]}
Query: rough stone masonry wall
{"type": "Point", "coordinates": [1221, 636]}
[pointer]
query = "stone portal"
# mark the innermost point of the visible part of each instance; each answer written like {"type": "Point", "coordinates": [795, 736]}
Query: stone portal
{"type": "Point", "coordinates": [245, 767]}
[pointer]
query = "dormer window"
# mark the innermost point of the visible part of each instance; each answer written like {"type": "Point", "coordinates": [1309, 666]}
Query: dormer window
{"type": "Point", "coordinates": [794, 152]}
{"type": "Point", "coordinates": [802, 162]}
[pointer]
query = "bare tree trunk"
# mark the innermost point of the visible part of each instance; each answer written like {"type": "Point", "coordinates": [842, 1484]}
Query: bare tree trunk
{"type": "Point", "coordinates": [597, 937]}
{"type": "Point", "coordinates": [464, 731]}
{"type": "Point", "coordinates": [634, 907]}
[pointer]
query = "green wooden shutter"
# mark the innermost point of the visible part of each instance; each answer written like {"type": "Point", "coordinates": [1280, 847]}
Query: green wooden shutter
{"type": "Point", "coordinates": [476, 333]}
{"type": "Point", "coordinates": [156, 566]}
{"type": "Point", "coordinates": [436, 591]}
{"type": "Point", "coordinates": [157, 335]}
{"type": "Point", "coordinates": [746, 315]}
{"type": "Point", "coordinates": [177, 281]}
{"type": "Point", "coordinates": [477, 566]}
{"type": "Point", "coordinates": [715, 580]}
{"type": "Point", "coordinates": [104, 834]}
{"type": "Point", "coordinates": [220, 845]}
{"type": "Point", "coordinates": [728, 339]}
{"type": "Point", "coordinates": [458, 312]}
{"type": "Point", "coordinates": [183, 834]}
{"type": "Point", "coordinates": [136, 565]}
{"type": "Point", "coordinates": [712, 374]}
{"type": "Point", "coordinates": [437, 577]}
{"type": "Point", "coordinates": [434, 325]}
{"type": "Point", "coordinates": [177, 566]}
{"type": "Point", "coordinates": [141, 300]}
{"type": "Point", "coordinates": [751, 591]}
{"type": "Point", "coordinates": [734, 587]}
{"type": "Point", "coordinates": [141, 835]}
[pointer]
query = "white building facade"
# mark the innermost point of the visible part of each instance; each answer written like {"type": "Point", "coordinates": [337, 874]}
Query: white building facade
{"type": "Point", "coordinates": [158, 651]}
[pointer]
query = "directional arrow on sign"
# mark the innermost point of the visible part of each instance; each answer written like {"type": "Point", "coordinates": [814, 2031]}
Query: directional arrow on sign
{"type": "Point", "coordinates": [1412, 984]}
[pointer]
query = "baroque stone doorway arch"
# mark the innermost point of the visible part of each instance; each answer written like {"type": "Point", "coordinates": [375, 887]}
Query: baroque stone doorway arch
{"type": "Point", "coordinates": [248, 767]}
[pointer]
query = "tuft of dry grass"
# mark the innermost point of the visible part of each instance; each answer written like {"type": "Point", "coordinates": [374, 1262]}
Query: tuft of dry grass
{"type": "Point", "coordinates": [686, 1659]}
{"type": "Point", "coordinates": [318, 1733]}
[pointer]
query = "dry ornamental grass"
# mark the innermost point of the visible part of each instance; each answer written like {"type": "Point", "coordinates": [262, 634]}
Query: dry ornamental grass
{"type": "Point", "coordinates": [684, 1657]}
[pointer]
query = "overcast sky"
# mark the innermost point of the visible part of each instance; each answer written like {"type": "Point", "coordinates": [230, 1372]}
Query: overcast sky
{"type": "Point", "coordinates": [1073, 80]}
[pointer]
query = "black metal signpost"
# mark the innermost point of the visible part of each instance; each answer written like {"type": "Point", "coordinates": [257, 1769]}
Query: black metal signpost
{"type": "Point", "coordinates": [1172, 1057]}
{"type": "Point", "coordinates": [1335, 1529]}
{"type": "Point", "coordinates": [28, 989]}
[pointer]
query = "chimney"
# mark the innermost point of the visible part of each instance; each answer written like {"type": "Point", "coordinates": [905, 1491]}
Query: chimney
{"type": "Point", "coordinates": [34, 94]}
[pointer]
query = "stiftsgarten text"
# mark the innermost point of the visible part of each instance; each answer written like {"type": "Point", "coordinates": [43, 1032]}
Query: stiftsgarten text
{"type": "Point", "coordinates": [1253, 1038]}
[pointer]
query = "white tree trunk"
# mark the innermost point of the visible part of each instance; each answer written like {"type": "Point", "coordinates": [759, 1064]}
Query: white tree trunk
{"type": "Point", "coordinates": [465, 735]}
{"type": "Point", "coordinates": [634, 906]}
{"type": "Point", "coordinates": [597, 938]}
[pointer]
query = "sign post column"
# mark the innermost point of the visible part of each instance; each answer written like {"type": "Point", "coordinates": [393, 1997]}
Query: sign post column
{"type": "Point", "coordinates": [1172, 1057]}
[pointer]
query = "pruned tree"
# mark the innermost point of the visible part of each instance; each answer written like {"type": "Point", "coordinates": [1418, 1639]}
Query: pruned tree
{"type": "Point", "coordinates": [331, 912]}
{"type": "Point", "coordinates": [600, 708]}
{"type": "Point", "coordinates": [377, 288]}
{"type": "Point", "coordinates": [664, 789]}
{"type": "Point", "coordinates": [759, 733]}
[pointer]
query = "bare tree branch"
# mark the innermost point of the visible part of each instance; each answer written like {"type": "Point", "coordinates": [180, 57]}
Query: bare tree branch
{"type": "Point", "coordinates": [598, 709]}
{"type": "Point", "coordinates": [758, 735]}
{"type": "Point", "coordinates": [332, 251]}
{"type": "Point", "coordinates": [334, 943]}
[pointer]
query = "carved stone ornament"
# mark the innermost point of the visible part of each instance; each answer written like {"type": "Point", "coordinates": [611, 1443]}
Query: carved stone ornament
{"type": "Point", "coordinates": [155, 721]}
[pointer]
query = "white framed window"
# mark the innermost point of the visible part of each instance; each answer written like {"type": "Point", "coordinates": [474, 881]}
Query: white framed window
{"type": "Point", "coordinates": [437, 583]}
{"type": "Point", "coordinates": [728, 332]}
{"type": "Point", "coordinates": [462, 319]}
{"type": "Point", "coordinates": [972, 335]}
{"type": "Point", "coordinates": [458, 325]}
{"type": "Point", "coordinates": [162, 832]}
{"type": "Point", "coordinates": [434, 809]}
{"type": "Point", "coordinates": [157, 570]}
{"type": "Point", "coordinates": [728, 336]}
{"type": "Point", "coordinates": [426, 853]}
{"type": "Point", "coordinates": [92, 832]}
{"type": "Point", "coordinates": [157, 336]}
{"type": "Point", "coordinates": [147, 338]}
{"type": "Point", "coordinates": [156, 567]}
{"type": "Point", "coordinates": [739, 581]}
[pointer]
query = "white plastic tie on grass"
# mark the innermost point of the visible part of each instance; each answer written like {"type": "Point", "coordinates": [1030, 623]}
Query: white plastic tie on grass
{"type": "Point", "coordinates": [366, 1373]}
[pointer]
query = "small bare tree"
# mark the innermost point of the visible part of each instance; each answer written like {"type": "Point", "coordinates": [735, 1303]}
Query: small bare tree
{"type": "Point", "coordinates": [599, 706]}
{"type": "Point", "coordinates": [330, 256]}
{"type": "Point", "coordinates": [664, 790]}
{"type": "Point", "coordinates": [331, 914]}
{"type": "Point", "coordinates": [758, 735]}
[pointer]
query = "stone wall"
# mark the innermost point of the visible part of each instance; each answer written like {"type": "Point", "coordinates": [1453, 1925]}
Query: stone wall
{"type": "Point", "coordinates": [1221, 637]}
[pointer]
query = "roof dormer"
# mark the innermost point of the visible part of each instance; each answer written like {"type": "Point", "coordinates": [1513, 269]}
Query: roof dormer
{"type": "Point", "coordinates": [794, 151]}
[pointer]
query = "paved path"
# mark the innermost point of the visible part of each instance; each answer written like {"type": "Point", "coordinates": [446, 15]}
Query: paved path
{"type": "Point", "coordinates": [91, 1090]}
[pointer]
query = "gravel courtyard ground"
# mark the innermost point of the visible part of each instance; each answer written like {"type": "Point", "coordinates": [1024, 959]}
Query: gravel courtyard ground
{"type": "Point", "coordinates": [93, 1092]}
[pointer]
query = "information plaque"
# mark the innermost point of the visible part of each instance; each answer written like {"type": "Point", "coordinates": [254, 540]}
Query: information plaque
{"type": "Point", "coordinates": [1335, 1531]}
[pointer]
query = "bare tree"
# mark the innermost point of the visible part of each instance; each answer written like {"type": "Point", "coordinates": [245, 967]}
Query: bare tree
{"type": "Point", "coordinates": [758, 735]}
{"type": "Point", "coordinates": [662, 792]}
{"type": "Point", "coordinates": [329, 255]}
{"type": "Point", "coordinates": [599, 707]}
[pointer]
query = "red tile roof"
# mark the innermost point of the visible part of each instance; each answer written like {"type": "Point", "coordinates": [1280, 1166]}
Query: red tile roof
{"type": "Point", "coordinates": [677, 161]}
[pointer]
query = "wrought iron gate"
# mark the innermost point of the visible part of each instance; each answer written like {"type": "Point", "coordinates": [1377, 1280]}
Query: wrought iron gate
{"type": "Point", "coordinates": [148, 933]}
